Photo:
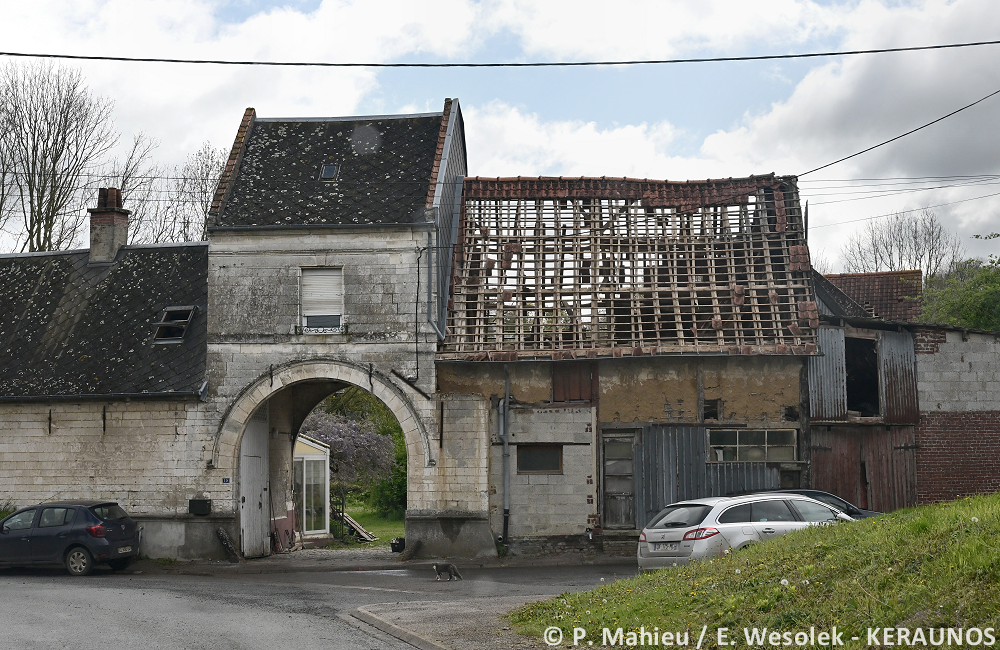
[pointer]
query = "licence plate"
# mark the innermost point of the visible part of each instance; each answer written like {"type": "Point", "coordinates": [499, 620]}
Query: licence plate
{"type": "Point", "coordinates": [124, 549]}
{"type": "Point", "coordinates": [665, 546]}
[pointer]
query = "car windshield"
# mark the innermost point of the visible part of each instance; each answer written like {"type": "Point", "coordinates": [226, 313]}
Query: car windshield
{"type": "Point", "coordinates": [681, 515]}
{"type": "Point", "coordinates": [109, 512]}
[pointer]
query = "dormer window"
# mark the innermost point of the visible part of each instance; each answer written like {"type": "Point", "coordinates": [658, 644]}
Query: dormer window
{"type": "Point", "coordinates": [323, 300]}
{"type": "Point", "coordinates": [173, 324]}
{"type": "Point", "coordinates": [329, 172]}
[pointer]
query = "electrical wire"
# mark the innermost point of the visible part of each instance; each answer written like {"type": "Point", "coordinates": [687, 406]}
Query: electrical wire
{"type": "Point", "coordinates": [982, 99]}
{"type": "Point", "coordinates": [542, 64]}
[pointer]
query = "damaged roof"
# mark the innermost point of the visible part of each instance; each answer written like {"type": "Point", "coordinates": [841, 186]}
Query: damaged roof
{"type": "Point", "coordinates": [73, 329]}
{"type": "Point", "coordinates": [566, 268]}
{"type": "Point", "coordinates": [331, 171]}
{"type": "Point", "coordinates": [890, 295]}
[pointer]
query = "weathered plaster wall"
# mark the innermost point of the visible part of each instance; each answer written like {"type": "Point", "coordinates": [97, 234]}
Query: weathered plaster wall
{"type": "Point", "coordinates": [530, 381]}
{"type": "Point", "coordinates": [754, 389]}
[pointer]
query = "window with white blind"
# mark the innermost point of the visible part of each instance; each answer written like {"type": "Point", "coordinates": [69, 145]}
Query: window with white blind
{"type": "Point", "coordinates": [323, 300]}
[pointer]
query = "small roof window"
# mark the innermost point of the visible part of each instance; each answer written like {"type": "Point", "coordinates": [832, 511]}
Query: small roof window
{"type": "Point", "coordinates": [329, 172]}
{"type": "Point", "coordinates": [173, 324]}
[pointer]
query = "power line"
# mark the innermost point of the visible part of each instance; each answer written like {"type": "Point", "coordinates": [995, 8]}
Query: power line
{"type": "Point", "coordinates": [882, 216]}
{"type": "Point", "coordinates": [982, 99]}
{"type": "Point", "coordinates": [542, 64]}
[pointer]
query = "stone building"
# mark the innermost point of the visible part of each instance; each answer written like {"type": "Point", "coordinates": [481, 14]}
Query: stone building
{"type": "Point", "coordinates": [564, 356]}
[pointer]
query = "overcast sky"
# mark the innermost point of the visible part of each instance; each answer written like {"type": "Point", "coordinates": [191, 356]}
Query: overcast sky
{"type": "Point", "coordinates": [687, 121]}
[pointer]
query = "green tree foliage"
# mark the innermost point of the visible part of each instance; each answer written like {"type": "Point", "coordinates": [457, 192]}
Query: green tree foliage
{"type": "Point", "coordinates": [969, 296]}
{"type": "Point", "coordinates": [387, 495]}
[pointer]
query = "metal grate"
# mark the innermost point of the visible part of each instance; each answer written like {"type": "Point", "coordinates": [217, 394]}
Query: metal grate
{"type": "Point", "coordinates": [544, 267]}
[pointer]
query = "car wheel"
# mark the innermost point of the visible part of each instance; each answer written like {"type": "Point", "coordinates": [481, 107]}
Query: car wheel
{"type": "Point", "coordinates": [79, 561]}
{"type": "Point", "coordinates": [120, 564]}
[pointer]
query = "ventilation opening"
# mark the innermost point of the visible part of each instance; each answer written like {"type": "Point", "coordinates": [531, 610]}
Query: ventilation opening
{"type": "Point", "coordinates": [173, 324]}
{"type": "Point", "coordinates": [862, 377]}
{"type": "Point", "coordinates": [712, 409]}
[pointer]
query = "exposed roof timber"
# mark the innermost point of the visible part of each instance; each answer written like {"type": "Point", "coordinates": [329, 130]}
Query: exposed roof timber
{"type": "Point", "coordinates": [604, 267]}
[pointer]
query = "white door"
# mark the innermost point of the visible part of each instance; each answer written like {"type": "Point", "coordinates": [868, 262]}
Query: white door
{"type": "Point", "coordinates": [255, 508]}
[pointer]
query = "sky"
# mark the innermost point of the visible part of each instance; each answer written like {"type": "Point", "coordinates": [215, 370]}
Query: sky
{"type": "Point", "coordinates": [676, 122]}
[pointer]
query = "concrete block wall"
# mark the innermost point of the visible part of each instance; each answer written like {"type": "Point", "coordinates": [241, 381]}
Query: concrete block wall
{"type": "Point", "coordinates": [958, 437]}
{"type": "Point", "coordinates": [547, 504]}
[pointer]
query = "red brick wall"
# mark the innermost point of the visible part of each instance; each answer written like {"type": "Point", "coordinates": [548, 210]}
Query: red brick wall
{"type": "Point", "coordinates": [958, 454]}
{"type": "Point", "coordinates": [926, 341]}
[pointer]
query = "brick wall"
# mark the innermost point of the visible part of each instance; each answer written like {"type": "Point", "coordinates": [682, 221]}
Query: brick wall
{"type": "Point", "coordinates": [958, 454]}
{"type": "Point", "coordinates": [958, 438]}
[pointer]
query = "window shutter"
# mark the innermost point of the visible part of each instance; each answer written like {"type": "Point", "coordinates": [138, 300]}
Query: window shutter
{"type": "Point", "coordinates": [322, 296]}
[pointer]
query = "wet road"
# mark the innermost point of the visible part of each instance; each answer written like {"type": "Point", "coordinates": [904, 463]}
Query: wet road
{"type": "Point", "coordinates": [300, 609]}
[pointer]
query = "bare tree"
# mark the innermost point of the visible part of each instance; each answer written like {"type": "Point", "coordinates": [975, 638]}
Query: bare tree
{"type": "Point", "coordinates": [55, 137]}
{"type": "Point", "coordinates": [194, 189]}
{"type": "Point", "coordinates": [145, 192]}
{"type": "Point", "coordinates": [903, 242]}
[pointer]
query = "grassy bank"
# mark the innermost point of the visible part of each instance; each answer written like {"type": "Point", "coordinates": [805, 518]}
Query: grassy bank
{"type": "Point", "coordinates": [928, 567]}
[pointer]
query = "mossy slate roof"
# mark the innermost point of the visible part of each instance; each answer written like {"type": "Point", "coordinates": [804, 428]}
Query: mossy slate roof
{"type": "Point", "coordinates": [386, 166]}
{"type": "Point", "coordinates": [69, 328]}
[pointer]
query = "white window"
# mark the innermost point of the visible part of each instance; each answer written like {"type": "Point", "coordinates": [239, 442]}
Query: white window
{"type": "Point", "coordinates": [323, 300]}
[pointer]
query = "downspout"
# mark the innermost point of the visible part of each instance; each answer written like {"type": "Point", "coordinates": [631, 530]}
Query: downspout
{"type": "Point", "coordinates": [505, 437]}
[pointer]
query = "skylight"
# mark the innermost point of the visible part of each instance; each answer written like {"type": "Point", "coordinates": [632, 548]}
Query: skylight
{"type": "Point", "coordinates": [329, 172]}
{"type": "Point", "coordinates": [173, 324]}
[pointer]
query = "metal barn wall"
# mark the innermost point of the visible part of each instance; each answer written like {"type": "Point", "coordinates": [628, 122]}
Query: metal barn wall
{"type": "Point", "coordinates": [889, 457]}
{"type": "Point", "coordinates": [897, 377]}
{"type": "Point", "coordinates": [828, 377]}
{"type": "Point", "coordinates": [671, 466]}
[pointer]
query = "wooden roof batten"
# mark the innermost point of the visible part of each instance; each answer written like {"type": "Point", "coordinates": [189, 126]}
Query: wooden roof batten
{"type": "Point", "coordinates": [571, 268]}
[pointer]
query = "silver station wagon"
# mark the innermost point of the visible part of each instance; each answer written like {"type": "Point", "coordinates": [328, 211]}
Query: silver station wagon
{"type": "Point", "coordinates": [704, 528]}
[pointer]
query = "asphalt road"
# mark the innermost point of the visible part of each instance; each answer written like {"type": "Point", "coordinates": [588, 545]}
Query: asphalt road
{"type": "Point", "coordinates": [299, 609]}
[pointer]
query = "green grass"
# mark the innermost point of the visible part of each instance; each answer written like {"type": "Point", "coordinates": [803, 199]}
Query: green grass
{"type": "Point", "coordinates": [930, 567]}
{"type": "Point", "coordinates": [6, 507]}
{"type": "Point", "coordinates": [383, 528]}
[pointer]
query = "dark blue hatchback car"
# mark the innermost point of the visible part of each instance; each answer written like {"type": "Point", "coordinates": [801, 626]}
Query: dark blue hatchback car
{"type": "Point", "coordinates": [75, 534]}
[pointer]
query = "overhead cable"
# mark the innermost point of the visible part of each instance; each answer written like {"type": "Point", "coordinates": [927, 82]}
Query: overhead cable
{"type": "Point", "coordinates": [541, 64]}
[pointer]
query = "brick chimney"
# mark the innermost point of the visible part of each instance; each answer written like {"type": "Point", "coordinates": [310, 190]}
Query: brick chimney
{"type": "Point", "coordinates": [108, 226]}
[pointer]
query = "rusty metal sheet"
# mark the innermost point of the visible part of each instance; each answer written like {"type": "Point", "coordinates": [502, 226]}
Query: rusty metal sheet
{"type": "Point", "coordinates": [828, 377]}
{"type": "Point", "coordinates": [897, 377]}
{"type": "Point", "coordinates": [872, 466]}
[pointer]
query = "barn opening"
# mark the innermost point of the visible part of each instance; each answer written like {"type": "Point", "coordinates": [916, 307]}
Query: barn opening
{"type": "Point", "coordinates": [862, 376]}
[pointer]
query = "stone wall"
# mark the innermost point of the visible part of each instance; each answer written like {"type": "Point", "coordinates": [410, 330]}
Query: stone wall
{"type": "Point", "coordinates": [149, 456]}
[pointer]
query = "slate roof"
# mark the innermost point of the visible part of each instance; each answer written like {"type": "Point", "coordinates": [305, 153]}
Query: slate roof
{"type": "Point", "coordinates": [890, 295]}
{"type": "Point", "coordinates": [71, 329]}
{"type": "Point", "coordinates": [387, 165]}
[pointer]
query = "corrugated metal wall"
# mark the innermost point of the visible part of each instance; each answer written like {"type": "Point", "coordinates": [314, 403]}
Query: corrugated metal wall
{"type": "Point", "coordinates": [671, 466]}
{"type": "Point", "coordinates": [889, 457]}
{"type": "Point", "coordinates": [828, 377]}
{"type": "Point", "coordinates": [897, 377]}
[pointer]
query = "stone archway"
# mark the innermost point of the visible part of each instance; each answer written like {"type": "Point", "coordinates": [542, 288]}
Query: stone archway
{"type": "Point", "coordinates": [225, 453]}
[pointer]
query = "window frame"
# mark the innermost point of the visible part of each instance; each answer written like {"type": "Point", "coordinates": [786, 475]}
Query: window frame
{"type": "Point", "coordinates": [304, 326]}
{"type": "Point", "coordinates": [530, 447]}
{"type": "Point", "coordinates": [165, 324]}
{"type": "Point", "coordinates": [714, 448]}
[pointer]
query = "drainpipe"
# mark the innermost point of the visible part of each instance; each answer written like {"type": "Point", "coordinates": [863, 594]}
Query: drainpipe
{"type": "Point", "coordinates": [504, 436]}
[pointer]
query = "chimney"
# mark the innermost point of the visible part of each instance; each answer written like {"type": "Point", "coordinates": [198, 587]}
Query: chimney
{"type": "Point", "coordinates": [108, 226]}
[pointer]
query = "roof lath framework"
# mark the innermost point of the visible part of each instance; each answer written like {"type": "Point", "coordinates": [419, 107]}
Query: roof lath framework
{"type": "Point", "coordinates": [567, 268]}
